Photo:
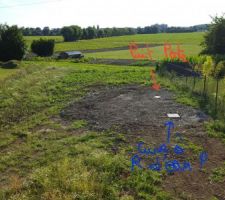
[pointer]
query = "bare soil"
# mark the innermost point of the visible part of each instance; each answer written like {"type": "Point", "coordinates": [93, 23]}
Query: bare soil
{"type": "Point", "coordinates": [134, 111]}
{"type": "Point", "coordinates": [118, 48]}
{"type": "Point", "coordinates": [113, 61]}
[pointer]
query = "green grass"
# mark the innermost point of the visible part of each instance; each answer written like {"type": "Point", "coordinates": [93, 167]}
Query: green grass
{"type": "Point", "coordinates": [216, 129]}
{"type": "Point", "coordinates": [86, 170]}
{"type": "Point", "coordinates": [120, 41]}
{"type": "Point", "coordinates": [30, 79]}
{"type": "Point", "coordinates": [218, 174]}
{"type": "Point", "coordinates": [42, 158]}
{"type": "Point", "coordinates": [78, 124]}
{"type": "Point", "coordinates": [158, 52]}
{"type": "Point", "coordinates": [4, 73]}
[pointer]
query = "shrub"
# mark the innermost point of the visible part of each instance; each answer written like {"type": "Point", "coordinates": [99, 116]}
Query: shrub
{"type": "Point", "coordinates": [12, 44]}
{"type": "Point", "coordinates": [42, 47]}
{"type": "Point", "coordinates": [206, 70]}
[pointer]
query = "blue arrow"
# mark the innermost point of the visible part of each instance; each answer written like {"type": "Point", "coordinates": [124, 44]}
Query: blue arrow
{"type": "Point", "coordinates": [170, 125]}
{"type": "Point", "coordinates": [203, 157]}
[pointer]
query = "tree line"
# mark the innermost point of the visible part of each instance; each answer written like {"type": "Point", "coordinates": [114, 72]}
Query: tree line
{"type": "Point", "coordinates": [13, 46]}
{"type": "Point", "coordinates": [74, 32]}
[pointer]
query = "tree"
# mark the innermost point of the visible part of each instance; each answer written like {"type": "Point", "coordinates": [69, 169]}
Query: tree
{"type": "Point", "coordinates": [55, 31]}
{"type": "Point", "coordinates": [37, 31]}
{"type": "Point", "coordinates": [84, 35]}
{"type": "Point", "coordinates": [150, 29]}
{"type": "Point", "coordinates": [101, 33]}
{"type": "Point", "coordinates": [214, 40]}
{"type": "Point", "coordinates": [71, 33]}
{"type": "Point", "coordinates": [91, 32]}
{"type": "Point", "coordinates": [12, 44]}
{"type": "Point", "coordinates": [219, 74]}
{"type": "Point", "coordinates": [68, 34]}
{"type": "Point", "coordinates": [77, 32]}
{"type": "Point", "coordinates": [27, 31]}
{"type": "Point", "coordinates": [43, 47]}
{"type": "Point", "coordinates": [207, 68]}
{"type": "Point", "coordinates": [131, 31]}
{"type": "Point", "coordinates": [2, 28]}
{"type": "Point", "coordinates": [46, 31]}
{"type": "Point", "coordinates": [108, 32]}
{"type": "Point", "coordinates": [139, 30]}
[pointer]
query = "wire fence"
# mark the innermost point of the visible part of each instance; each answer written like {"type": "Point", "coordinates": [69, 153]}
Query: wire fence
{"type": "Point", "coordinates": [207, 97]}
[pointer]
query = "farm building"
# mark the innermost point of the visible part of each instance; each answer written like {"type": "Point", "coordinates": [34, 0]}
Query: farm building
{"type": "Point", "coordinates": [70, 54]}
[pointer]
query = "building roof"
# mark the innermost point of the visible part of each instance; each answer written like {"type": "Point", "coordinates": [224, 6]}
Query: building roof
{"type": "Point", "coordinates": [71, 53]}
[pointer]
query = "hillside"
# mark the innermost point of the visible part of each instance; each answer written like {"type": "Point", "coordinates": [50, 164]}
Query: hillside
{"type": "Point", "coordinates": [122, 41]}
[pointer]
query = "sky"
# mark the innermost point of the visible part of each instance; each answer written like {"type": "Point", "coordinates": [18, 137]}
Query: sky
{"type": "Point", "coordinates": [108, 13]}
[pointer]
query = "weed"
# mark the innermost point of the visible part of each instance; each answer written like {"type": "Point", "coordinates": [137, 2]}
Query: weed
{"type": "Point", "coordinates": [218, 174]}
{"type": "Point", "coordinates": [78, 124]}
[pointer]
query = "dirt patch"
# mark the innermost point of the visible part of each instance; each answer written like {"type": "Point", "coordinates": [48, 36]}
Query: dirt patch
{"type": "Point", "coordinates": [134, 111]}
{"type": "Point", "coordinates": [118, 48]}
{"type": "Point", "coordinates": [122, 62]}
{"type": "Point", "coordinates": [130, 105]}
{"type": "Point", "coordinates": [112, 61]}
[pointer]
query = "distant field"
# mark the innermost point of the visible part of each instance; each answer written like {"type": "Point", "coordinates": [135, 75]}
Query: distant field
{"type": "Point", "coordinates": [120, 41]}
{"type": "Point", "coordinates": [29, 39]}
{"type": "Point", "coordinates": [158, 52]}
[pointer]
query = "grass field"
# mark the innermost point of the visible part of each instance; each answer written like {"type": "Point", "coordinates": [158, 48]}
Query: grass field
{"type": "Point", "coordinates": [34, 141]}
{"type": "Point", "coordinates": [158, 52]}
{"type": "Point", "coordinates": [111, 42]}
{"type": "Point", "coordinates": [43, 156]}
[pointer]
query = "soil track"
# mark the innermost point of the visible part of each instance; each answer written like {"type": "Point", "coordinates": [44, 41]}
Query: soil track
{"type": "Point", "coordinates": [123, 62]}
{"type": "Point", "coordinates": [118, 48]}
{"type": "Point", "coordinates": [133, 110]}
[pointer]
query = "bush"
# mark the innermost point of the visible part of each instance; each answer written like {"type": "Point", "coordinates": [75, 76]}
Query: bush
{"type": "Point", "coordinates": [12, 44]}
{"type": "Point", "coordinates": [42, 47]}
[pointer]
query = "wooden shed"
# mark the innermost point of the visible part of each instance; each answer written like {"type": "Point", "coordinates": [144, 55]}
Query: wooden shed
{"type": "Point", "coordinates": [70, 54]}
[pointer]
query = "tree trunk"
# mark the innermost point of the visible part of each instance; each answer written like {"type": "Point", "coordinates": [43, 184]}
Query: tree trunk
{"type": "Point", "coordinates": [217, 89]}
